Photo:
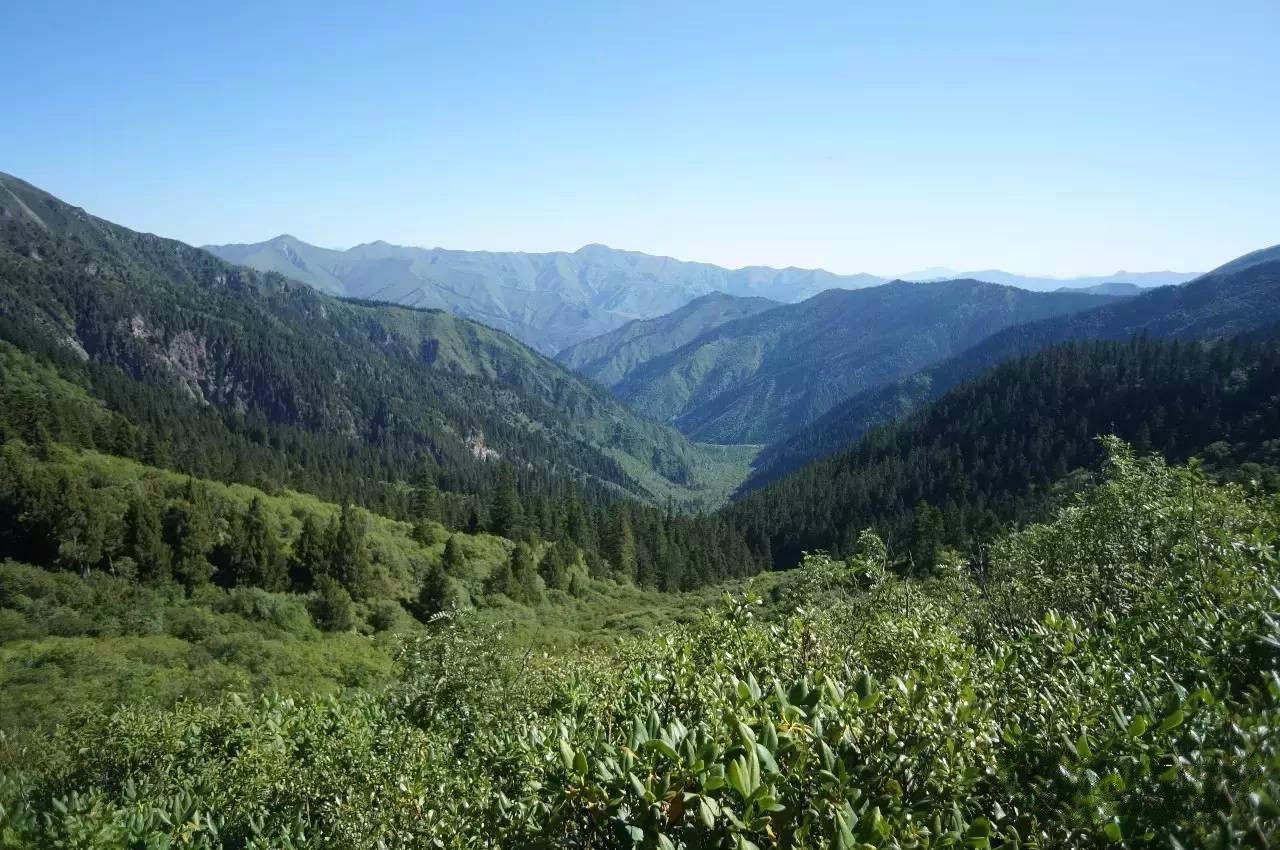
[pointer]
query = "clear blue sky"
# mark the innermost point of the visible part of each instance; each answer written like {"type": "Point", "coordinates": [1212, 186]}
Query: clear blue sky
{"type": "Point", "coordinates": [855, 136]}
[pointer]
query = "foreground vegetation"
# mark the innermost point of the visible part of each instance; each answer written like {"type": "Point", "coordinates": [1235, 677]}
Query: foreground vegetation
{"type": "Point", "coordinates": [1108, 678]}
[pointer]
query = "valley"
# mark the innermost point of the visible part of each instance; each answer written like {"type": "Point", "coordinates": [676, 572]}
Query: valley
{"type": "Point", "coordinates": [755, 571]}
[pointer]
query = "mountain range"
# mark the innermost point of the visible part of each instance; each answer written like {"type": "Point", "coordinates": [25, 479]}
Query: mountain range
{"type": "Point", "coordinates": [757, 378]}
{"type": "Point", "coordinates": [281, 363]}
{"type": "Point", "coordinates": [1237, 297]}
{"type": "Point", "coordinates": [549, 301]}
{"type": "Point", "coordinates": [217, 362]}
{"type": "Point", "coordinates": [555, 300]}
{"type": "Point", "coordinates": [1046, 283]}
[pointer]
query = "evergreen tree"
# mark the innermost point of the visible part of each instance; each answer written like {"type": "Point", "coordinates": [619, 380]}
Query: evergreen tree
{"type": "Point", "coordinates": [435, 595]}
{"type": "Point", "coordinates": [255, 556]}
{"type": "Point", "coordinates": [475, 523]}
{"type": "Point", "coordinates": [426, 493]}
{"type": "Point", "coordinates": [79, 526]}
{"type": "Point", "coordinates": [557, 565]}
{"type": "Point", "coordinates": [310, 555]}
{"type": "Point", "coordinates": [455, 560]}
{"type": "Point", "coordinates": [926, 537]}
{"type": "Point", "coordinates": [526, 587]}
{"type": "Point", "coordinates": [191, 536]}
{"type": "Point", "coordinates": [621, 548]}
{"type": "Point", "coordinates": [332, 608]}
{"type": "Point", "coordinates": [502, 580]}
{"type": "Point", "coordinates": [506, 515]}
{"type": "Point", "coordinates": [348, 555]}
{"type": "Point", "coordinates": [144, 539]}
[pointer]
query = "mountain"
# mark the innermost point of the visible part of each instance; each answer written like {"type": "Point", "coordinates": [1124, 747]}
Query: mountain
{"type": "Point", "coordinates": [1052, 284]}
{"type": "Point", "coordinates": [756, 379]}
{"type": "Point", "coordinates": [550, 301]}
{"type": "Point", "coordinates": [1120, 290]}
{"type": "Point", "coordinates": [608, 358]}
{"type": "Point", "coordinates": [1234, 298]}
{"type": "Point", "coordinates": [172, 333]}
{"type": "Point", "coordinates": [1003, 448]}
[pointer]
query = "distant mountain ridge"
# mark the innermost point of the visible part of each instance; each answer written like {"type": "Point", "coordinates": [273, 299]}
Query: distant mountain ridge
{"type": "Point", "coordinates": [758, 378]}
{"type": "Point", "coordinates": [1237, 297]}
{"type": "Point", "coordinates": [555, 300]}
{"type": "Point", "coordinates": [1046, 283]}
{"type": "Point", "coordinates": [261, 348]}
{"type": "Point", "coordinates": [549, 301]}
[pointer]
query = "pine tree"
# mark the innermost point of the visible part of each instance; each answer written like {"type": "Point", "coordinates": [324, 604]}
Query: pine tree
{"type": "Point", "coordinates": [191, 536]}
{"type": "Point", "coordinates": [426, 493]}
{"type": "Point", "coordinates": [454, 560]}
{"type": "Point", "coordinates": [526, 587]}
{"type": "Point", "coordinates": [926, 537]}
{"type": "Point", "coordinates": [557, 565]}
{"type": "Point", "coordinates": [79, 526]}
{"type": "Point", "coordinates": [506, 515]}
{"type": "Point", "coordinates": [310, 555]}
{"type": "Point", "coordinates": [621, 546]}
{"type": "Point", "coordinates": [435, 594]}
{"type": "Point", "coordinates": [144, 540]}
{"type": "Point", "coordinates": [348, 556]}
{"type": "Point", "coordinates": [332, 609]}
{"type": "Point", "coordinates": [255, 555]}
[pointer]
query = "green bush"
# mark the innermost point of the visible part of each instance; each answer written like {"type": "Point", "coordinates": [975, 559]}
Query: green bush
{"type": "Point", "coordinates": [283, 611]}
{"type": "Point", "coordinates": [1111, 678]}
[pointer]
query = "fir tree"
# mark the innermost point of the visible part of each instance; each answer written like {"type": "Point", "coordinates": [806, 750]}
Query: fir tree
{"type": "Point", "coordinates": [332, 608]}
{"type": "Point", "coordinates": [144, 539]}
{"type": "Point", "coordinates": [191, 536]}
{"type": "Point", "coordinates": [255, 556]}
{"type": "Point", "coordinates": [506, 516]}
{"type": "Point", "coordinates": [348, 556]}
{"type": "Point", "coordinates": [454, 560]}
{"type": "Point", "coordinates": [310, 555]}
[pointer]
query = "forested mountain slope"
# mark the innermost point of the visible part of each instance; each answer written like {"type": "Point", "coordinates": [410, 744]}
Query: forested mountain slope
{"type": "Point", "coordinates": [1003, 447]}
{"type": "Point", "coordinates": [1241, 295]}
{"type": "Point", "coordinates": [1110, 678]}
{"type": "Point", "coordinates": [266, 352]}
{"type": "Point", "coordinates": [759, 378]}
{"type": "Point", "coordinates": [550, 301]}
{"type": "Point", "coordinates": [609, 358]}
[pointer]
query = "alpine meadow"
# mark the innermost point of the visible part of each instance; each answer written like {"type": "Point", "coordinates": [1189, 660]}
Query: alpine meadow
{"type": "Point", "coordinates": [353, 540]}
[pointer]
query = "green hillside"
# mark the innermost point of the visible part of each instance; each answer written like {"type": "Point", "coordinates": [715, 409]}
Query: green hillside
{"type": "Point", "coordinates": [757, 379]}
{"type": "Point", "coordinates": [271, 353]}
{"type": "Point", "coordinates": [1235, 298]}
{"type": "Point", "coordinates": [1009, 445]}
{"type": "Point", "coordinates": [1107, 679]}
{"type": "Point", "coordinates": [609, 358]}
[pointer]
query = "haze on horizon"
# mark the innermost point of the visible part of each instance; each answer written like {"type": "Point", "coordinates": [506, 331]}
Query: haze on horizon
{"type": "Point", "coordinates": [882, 139]}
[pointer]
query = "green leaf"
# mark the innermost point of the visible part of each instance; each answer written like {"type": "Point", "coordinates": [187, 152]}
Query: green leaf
{"type": "Point", "coordinates": [662, 747]}
{"type": "Point", "coordinates": [566, 755]}
{"type": "Point", "coordinates": [1172, 720]}
{"type": "Point", "coordinates": [737, 776]}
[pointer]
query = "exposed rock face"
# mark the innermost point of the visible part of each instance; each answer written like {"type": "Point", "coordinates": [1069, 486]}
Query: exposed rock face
{"type": "Point", "coordinates": [188, 357]}
{"type": "Point", "coordinates": [479, 450]}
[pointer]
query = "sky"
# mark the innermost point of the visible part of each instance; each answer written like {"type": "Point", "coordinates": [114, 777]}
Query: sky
{"type": "Point", "coordinates": [1041, 138]}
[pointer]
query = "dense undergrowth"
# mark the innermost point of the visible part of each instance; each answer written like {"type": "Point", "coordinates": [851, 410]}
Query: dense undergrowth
{"type": "Point", "coordinates": [1106, 679]}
